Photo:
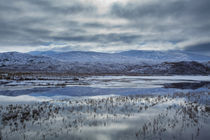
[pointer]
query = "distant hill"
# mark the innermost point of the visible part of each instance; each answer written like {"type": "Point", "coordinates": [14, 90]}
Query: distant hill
{"type": "Point", "coordinates": [89, 57]}
{"type": "Point", "coordinates": [163, 56]}
{"type": "Point", "coordinates": [129, 62]}
{"type": "Point", "coordinates": [133, 56]}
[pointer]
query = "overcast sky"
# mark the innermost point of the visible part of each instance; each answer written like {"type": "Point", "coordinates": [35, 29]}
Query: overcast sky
{"type": "Point", "coordinates": [105, 25]}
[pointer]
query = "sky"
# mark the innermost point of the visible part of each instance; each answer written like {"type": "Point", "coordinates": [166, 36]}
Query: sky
{"type": "Point", "coordinates": [105, 25]}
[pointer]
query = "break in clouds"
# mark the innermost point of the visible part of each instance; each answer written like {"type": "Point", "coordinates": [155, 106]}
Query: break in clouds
{"type": "Point", "coordinates": [105, 25]}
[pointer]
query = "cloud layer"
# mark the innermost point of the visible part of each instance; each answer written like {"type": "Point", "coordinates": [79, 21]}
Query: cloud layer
{"type": "Point", "coordinates": [99, 25]}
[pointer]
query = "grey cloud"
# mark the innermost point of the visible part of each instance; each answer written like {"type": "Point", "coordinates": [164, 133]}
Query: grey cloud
{"type": "Point", "coordinates": [203, 48]}
{"type": "Point", "coordinates": [41, 23]}
{"type": "Point", "coordinates": [172, 20]}
{"type": "Point", "coordinates": [156, 10]}
{"type": "Point", "coordinates": [18, 28]}
{"type": "Point", "coordinates": [163, 9]}
{"type": "Point", "coordinates": [189, 16]}
{"type": "Point", "coordinates": [94, 25]}
{"type": "Point", "coordinates": [100, 38]}
{"type": "Point", "coordinates": [70, 48]}
{"type": "Point", "coordinates": [76, 8]}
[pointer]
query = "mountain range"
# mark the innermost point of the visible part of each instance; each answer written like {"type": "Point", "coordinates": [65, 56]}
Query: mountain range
{"type": "Point", "coordinates": [127, 62]}
{"type": "Point", "coordinates": [132, 56]}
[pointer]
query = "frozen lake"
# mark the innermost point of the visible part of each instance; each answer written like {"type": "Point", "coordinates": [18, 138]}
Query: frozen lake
{"type": "Point", "coordinates": [39, 90]}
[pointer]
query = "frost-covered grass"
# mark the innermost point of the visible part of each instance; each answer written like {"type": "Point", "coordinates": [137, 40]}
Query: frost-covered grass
{"type": "Point", "coordinates": [173, 116]}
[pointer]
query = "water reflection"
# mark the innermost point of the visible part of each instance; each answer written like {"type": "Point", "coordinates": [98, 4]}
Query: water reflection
{"type": "Point", "coordinates": [104, 85]}
{"type": "Point", "coordinates": [188, 85]}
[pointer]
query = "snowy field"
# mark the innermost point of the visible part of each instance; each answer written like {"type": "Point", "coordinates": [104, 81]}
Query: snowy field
{"type": "Point", "coordinates": [106, 108]}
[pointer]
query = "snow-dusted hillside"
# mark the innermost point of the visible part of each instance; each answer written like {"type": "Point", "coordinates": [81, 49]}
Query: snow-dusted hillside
{"type": "Point", "coordinates": [133, 56]}
{"type": "Point", "coordinates": [92, 57]}
{"type": "Point", "coordinates": [23, 61]}
{"type": "Point", "coordinates": [166, 56]}
{"type": "Point", "coordinates": [99, 63]}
